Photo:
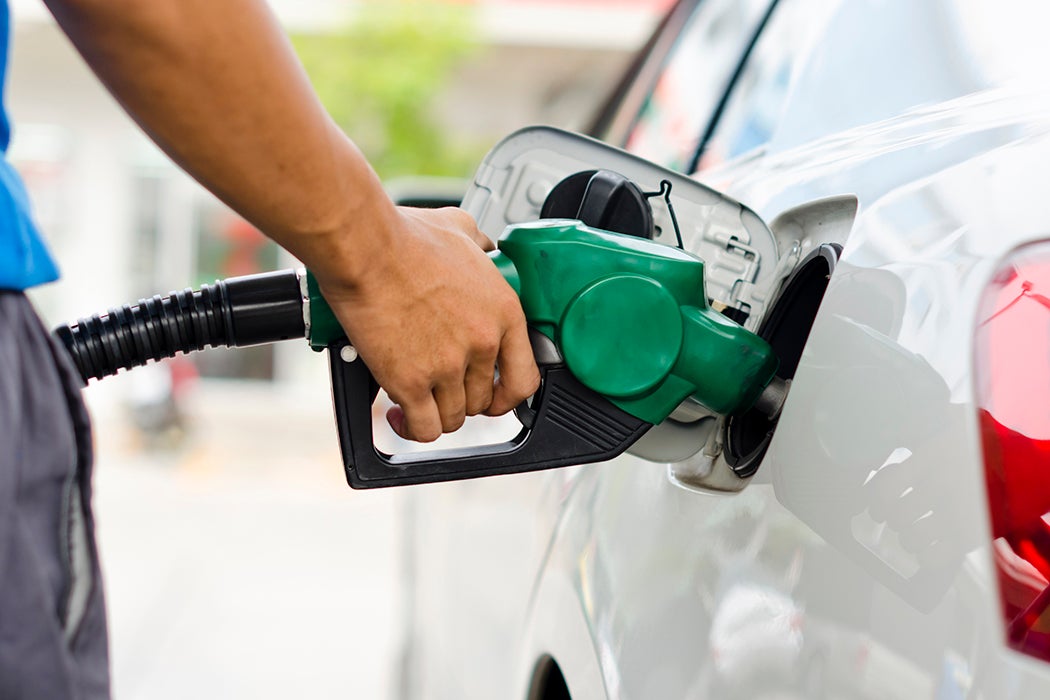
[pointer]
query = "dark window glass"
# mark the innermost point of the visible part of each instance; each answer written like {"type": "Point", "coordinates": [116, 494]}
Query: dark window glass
{"type": "Point", "coordinates": [695, 76]}
{"type": "Point", "coordinates": [757, 100]}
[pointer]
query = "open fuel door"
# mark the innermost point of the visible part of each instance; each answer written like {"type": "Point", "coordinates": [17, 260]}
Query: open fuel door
{"type": "Point", "coordinates": [516, 178]}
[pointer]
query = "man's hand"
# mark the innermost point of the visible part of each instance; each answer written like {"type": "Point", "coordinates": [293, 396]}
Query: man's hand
{"type": "Point", "coordinates": [432, 317]}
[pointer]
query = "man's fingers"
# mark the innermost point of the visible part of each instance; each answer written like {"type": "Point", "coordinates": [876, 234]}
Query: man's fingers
{"type": "Point", "coordinates": [518, 375]}
{"type": "Point", "coordinates": [419, 421]}
{"type": "Point", "coordinates": [395, 416]}
{"type": "Point", "coordinates": [452, 405]}
{"type": "Point", "coordinates": [468, 225]}
{"type": "Point", "coordinates": [458, 220]}
{"type": "Point", "coordinates": [479, 385]}
{"type": "Point", "coordinates": [452, 401]}
{"type": "Point", "coordinates": [483, 241]}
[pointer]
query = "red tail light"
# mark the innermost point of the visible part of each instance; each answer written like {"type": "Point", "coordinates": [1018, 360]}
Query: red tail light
{"type": "Point", "coordinates": [1012, 374]}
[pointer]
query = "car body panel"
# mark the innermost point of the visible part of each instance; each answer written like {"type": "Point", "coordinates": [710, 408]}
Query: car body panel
{"type": "Point", "coordinates": [923, 608]}
{"type": "Point", "coordinates": [856, 562]}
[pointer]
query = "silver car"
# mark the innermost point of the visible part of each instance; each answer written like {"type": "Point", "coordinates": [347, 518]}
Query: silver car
{"type": "Point", "coordinates": [889, 535]}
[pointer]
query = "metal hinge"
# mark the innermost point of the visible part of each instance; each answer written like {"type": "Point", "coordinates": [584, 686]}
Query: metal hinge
{"type": "Point", "coordinates": [732, 269]}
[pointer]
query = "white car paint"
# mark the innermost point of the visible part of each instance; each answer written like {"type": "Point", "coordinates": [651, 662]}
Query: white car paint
{"type": "Point", "coordinates": [856, 563]}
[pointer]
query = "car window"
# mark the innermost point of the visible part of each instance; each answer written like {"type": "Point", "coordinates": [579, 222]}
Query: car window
{"type": "Point", "coordinates": [760, 92]}
{"type": "Point", "coordinates": [822, 67]}
{"type": "Point", "coordinates": [964, 47]}
{"type": "Point", "coordinates": [693, 80]}
{"type": "Point", "coordinates": [617, 113]}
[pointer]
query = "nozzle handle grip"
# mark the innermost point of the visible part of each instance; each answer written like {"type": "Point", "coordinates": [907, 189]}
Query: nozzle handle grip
{"type": "Point", "coordinates": [570, 424]}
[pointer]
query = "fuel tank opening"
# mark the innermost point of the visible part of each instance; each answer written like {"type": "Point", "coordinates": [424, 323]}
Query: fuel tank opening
{"type": "Point", "coordinates": [786, 328]}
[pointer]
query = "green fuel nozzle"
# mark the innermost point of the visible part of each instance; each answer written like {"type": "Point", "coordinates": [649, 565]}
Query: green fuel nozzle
{"type": "Point", "coordinates": [630, 318]}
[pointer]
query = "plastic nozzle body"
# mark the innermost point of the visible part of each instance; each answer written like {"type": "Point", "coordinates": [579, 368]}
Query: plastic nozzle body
{"type": "Point", "coordinates": [631, 318]}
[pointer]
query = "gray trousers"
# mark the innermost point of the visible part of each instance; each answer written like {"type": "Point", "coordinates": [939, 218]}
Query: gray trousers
{"type": "Point", "coordinates": [52, 618]}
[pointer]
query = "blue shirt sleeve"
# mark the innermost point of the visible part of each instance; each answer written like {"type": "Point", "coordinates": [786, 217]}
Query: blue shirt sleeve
{"type": "Point", "coordinates": [25, 260]}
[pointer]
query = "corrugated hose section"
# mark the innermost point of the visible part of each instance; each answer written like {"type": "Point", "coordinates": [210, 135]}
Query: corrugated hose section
{"type": "Point", "coordinates": [235, 312]}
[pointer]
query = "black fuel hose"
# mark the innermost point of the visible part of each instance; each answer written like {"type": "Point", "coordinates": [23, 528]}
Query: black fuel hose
{"type": "Point", "coordinates": [234, 312]}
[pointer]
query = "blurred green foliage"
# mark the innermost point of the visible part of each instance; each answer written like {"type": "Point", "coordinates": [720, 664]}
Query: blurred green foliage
{"type": "Point", "coordinates": [378, 77]}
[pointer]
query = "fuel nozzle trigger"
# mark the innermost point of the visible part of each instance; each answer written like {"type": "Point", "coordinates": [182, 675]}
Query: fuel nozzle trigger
{"type": "Point", "coordinates": [566, 423]}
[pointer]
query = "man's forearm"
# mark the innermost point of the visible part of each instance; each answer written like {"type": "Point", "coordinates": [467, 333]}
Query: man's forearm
{"type": "Point", "coordinates": [215, 83]}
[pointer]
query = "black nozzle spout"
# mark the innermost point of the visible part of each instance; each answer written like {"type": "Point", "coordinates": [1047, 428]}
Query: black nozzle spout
{"type": "Point", "coordinates": [771, 401]}
{"type": "Point", "coordinates": [234, 312]}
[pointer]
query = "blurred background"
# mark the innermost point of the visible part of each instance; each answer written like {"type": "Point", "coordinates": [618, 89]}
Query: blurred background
{"type": "Point", "coordinates": [238, 562]}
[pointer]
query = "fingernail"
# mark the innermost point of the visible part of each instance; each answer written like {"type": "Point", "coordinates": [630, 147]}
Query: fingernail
{"type": "Point", "coordinates": [396, 418]}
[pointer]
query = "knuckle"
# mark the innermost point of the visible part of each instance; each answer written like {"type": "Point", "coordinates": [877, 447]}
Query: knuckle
{"type": "Point", "coordinates": [527, 386]}
{"type": "Point", "coordinates": [445, 357]}
{"type": "Point", "coordinates": [453, 423]}
{"type": "Point", "coordinates": [499, 406]}
{"type": "Point", "coordinates": [451, 408]}
{"type": "Point", "coordinates": [426, 435]}
{"type": "Point", "coordinates": [476, 408]}
{"type": "Point", "coordinates": [479, 402]}
{"type": "Point", "coordinates": [462, 217]}
{"type": "Point", "coordinates": [510, 305]}
{"type": "Point", "coordinates": [423, 433]}
{"type": "Point", "coordinates": [448, 369]}
{"type": "Point", "coordinates": [534, 382]}
{"type": "Point", "coordinates": [487, 345]}
{"type": "Point", "coordinates": [412, 386]}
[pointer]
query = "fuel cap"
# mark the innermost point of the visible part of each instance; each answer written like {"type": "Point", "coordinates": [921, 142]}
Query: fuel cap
{"type": "Point", "coordinates": [602, 199]}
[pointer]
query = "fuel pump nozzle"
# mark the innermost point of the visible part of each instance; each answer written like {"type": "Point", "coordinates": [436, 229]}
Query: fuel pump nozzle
{"type": "Point", "coordinates": [621, 330]}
